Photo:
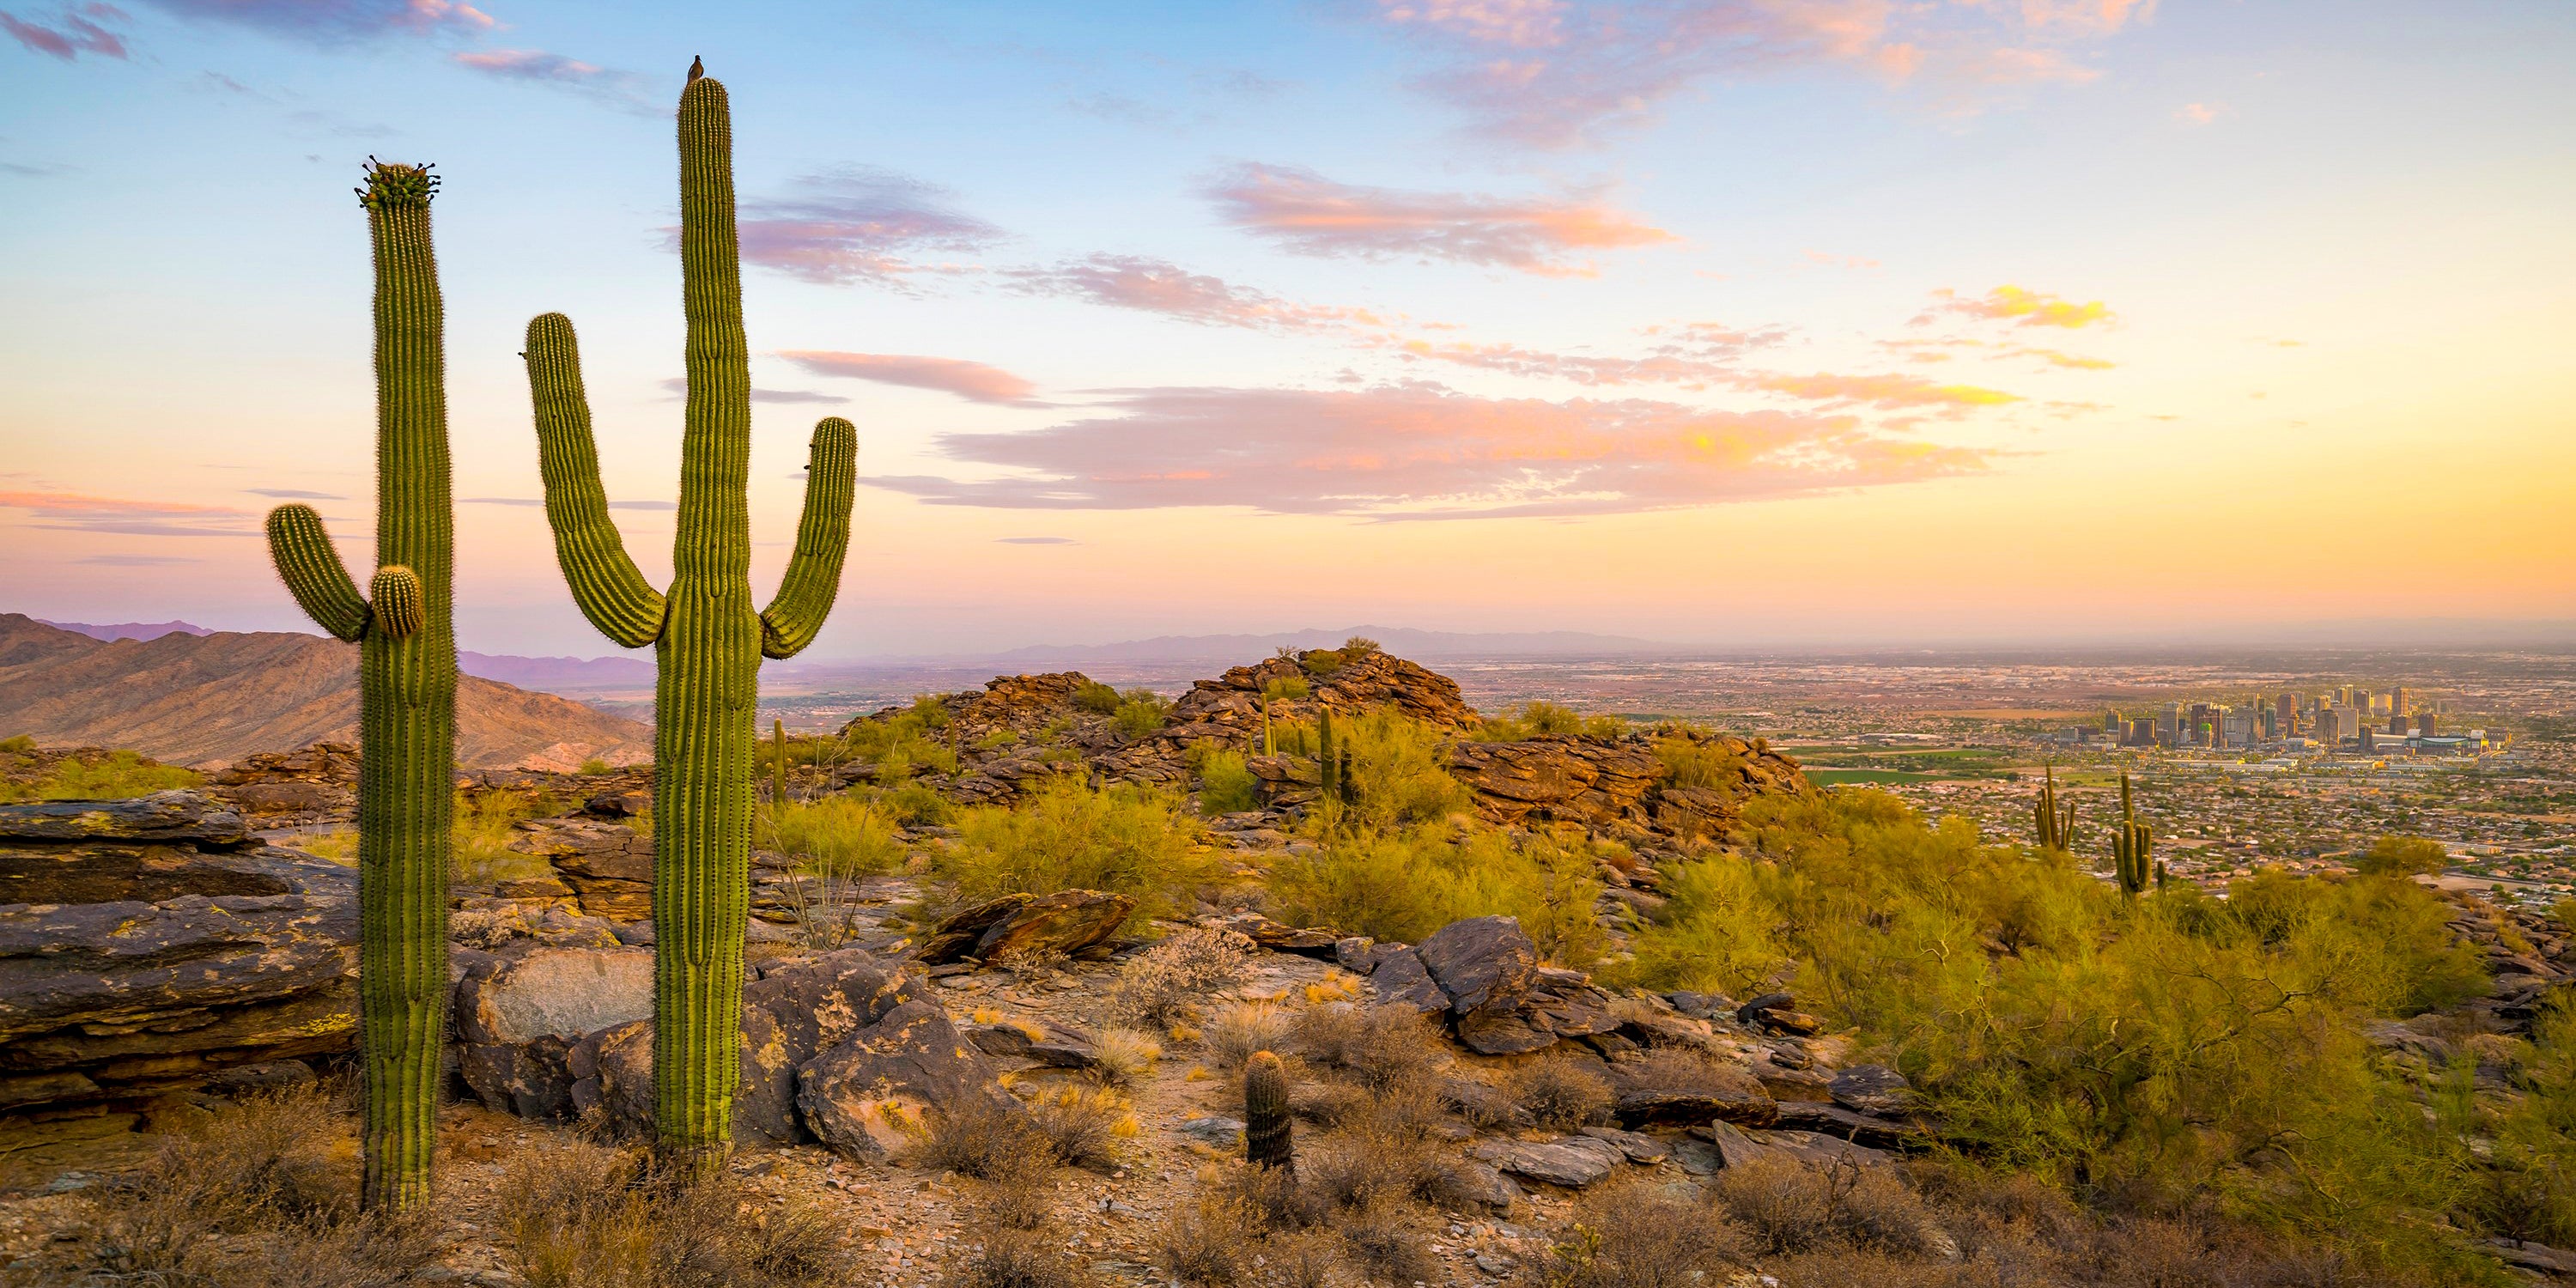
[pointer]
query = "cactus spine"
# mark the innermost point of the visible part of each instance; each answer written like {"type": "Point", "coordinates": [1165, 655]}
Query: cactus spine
{"type": "Point", "coordinates": [1266, 1129]}
{"type": "Point", "coordinates": [2132, 848]}
{"type": "Point", "coordinates": [406, 640]}
{"type": "Point", "coordinates": [2056, 827]}
{"type": "Point", "coordinates": [708, 640]}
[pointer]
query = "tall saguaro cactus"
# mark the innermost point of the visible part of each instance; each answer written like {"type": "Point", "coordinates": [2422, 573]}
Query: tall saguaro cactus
{"type": "Point", "coordinates": [406, 689]}
{"type": "Point", "coordinates": [2056, 825]}
{"type": "Point", "coordinates": [2132, 848]}
{"type": "Point", "coordinates": [707, 638]}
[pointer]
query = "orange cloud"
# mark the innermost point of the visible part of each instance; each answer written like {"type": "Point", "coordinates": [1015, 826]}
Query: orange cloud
{"type": "Point", "coordinates": [1420, 451]}
{"type": "Point", "coordinates": [1312, 215]}
{"type": "Point", "coordinates": [1882, 391]}
{"type": "Point", "coordinates": [2024, 308]}
{"type": "Point", "coordinates": [973, 381]}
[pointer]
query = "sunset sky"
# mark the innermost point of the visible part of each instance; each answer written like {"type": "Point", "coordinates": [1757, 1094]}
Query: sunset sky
{"type": "Point", "coordinates": [1731, 322]}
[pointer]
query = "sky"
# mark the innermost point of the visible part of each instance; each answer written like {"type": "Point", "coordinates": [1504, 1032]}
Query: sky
{"type": "Point", "coordinates": [1726, 322]}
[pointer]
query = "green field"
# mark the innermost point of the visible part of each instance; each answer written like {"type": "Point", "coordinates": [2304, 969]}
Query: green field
{"type": "Point", "coordinates": [1830, 777]}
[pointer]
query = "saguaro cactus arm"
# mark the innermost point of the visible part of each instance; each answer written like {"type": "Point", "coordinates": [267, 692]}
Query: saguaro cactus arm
{"type": "Point", "coordinates": [813, 577]}
{"type": "Point", "coordinates": [612, 593]}
{"type": "Point", "coordinates": [313, 573]}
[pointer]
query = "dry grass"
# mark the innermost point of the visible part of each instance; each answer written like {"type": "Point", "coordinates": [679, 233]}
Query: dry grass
{"type": "Point", "coordinates": [1205, 1243]}
{"type": "Point", "coordinates": [1082, 1126]}
{"type": "Point", "coordinates": [980, 1138]}
{"type": "Point", "coordinates": [1164, 983]}
{"type": "Point", "coordinates": [1122, 1056]}
{"type": "Point", "coordinates": [1241, 1028]}
{"type": "Point", "coordinates": [1384, 1047]}
{"type": "Point", "coordinates": [587, 1216]}
{"type": "Point", "coordinates": [1559, 1093]}
{"type": "Point", "coordinates": [1788, 1207]}
{"type": "Point", "coordinates": [1638, 1234]}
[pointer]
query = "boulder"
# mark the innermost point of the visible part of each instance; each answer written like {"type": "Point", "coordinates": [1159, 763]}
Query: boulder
{"type": "Point", "coordinates": [1559, 777]}
{"type": "Point", "coordinates": [1829, 1119]}
{"type": "Point", "coordinates": [1481, 963]}
{"type": "Point", "coordinates": [1508, 1032]}
{"type": "Point", "coordinates": [518, 1014]}
{"type": "Point", "coordinates": [1872, 1089]}
{"type": "Point", "coordinates": [1738, 1147]}
{"type": "Point", "coordinates": [1214, 1132]}
{"type": "Point", "coordinates": [1321, 944]}
{"type": "Point", "coordinates": [1720, 1094]}
{"type": "Point", "coordinates": [1066, 921]}
{"type": "Point", "coordinates": [859, 1096]}
{"type": "Point", "coordinates": [608, 865]}
{"type": "Point", "coordinates": [1047, 1047]}
{"type": "Point", "coordinates": [179, 817]}
{"type": "Point", "coordinates": [1400, 979]}
{"type": "Point", "coordinates": [1641, 1149]}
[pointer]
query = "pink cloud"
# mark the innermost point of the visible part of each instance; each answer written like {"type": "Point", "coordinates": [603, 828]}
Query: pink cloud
{"type": "Point", "coordinates": [1698, 355]}
{"type": "Point", "coordinates": [622, 90]}
{"type": "Point", "coordinates": [1160, 286]}
{"type": "Point", "coordinates": [1420, 451]}
{"type": "Point", "coordinates": [124, 516]}
{"type": "Point", "coordinates": [973, 381]}
{"type": "Point", "coordinates": [1310, 214]}
{"type": "Point", "coordinates": [1887, 392]}
{"type": "Point", "coordinates": [2023, 308]}
{"type": "Point", "coordinates": [74, 32]}
{"type": "Point", "coordinates": [857, 225]}
{"type": "Point", "coordinates": [338, 21]}
{"type": "Point", "coordinates": [1556, 73]}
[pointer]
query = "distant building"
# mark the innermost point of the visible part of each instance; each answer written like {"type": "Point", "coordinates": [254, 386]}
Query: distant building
{"type": "Point", "coordinates": [2423, 724]}
{"type": "Point", "coordinates": [2397, 724]}
{"type": "Point", "coordinates": [2398, 705]}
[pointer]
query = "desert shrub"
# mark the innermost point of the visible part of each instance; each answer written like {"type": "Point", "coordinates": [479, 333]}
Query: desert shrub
{"type": "Point", "coordinates": [1537, 719]}
{"type": "Point", "coordinates": [1395, 1148]}
{"type": "Point", "coordinates": [980, 1137]}
{"type": "Point", "coordinates": [1095, 697]}
{"type": "Point", "coordinates": [1638, 1234]}
{"type": "Point", "coordinates": [1123, 1055]}
{"type": "Point", "coordinates": [595, 767]}
{"type": "Point", "coordinates": [1239, 1029]}
{"type": "Point", "coordinates": [1403, 885]}
{"type": "Point", "coordinates": [1206, 1243]}
{"type": "Point", "coordinates": [1381, 1242]}
{"type": "Point", "coordinates": [841, 836]}
{"type": "Point", "coordinates": [486, 823]}
{"type": "Point", "coordinates": [1693, 762]}
{"type": "Point", "coordinates": [1226, 784]}
{"type": "Point", "coordinates": [1140, 712]}
{"type": "Point", "coordinates": [1123, 839]}
{"type": "Point", "coordinates": [1481, 1103]}
{"type": "Point", "coordinates": [895, 744]}
{"type": "Point", "coordinates": [1399, 772]}
{"type": "Point", "coordinates": [1169, 979]}
{"type": "Point", "coordinates": [914, 805]}
{"type": "Point", "coordinates": [339, 845]}
{"type": "Point", "coordinates": [1360, 646]}
{"type": "Point", "coordinates": [1006, 1257]}
{"type": "Point", "coordinates": [584, 1216]}
{"type": "Point", "coordinates": [1320, 662]}
{"type": "Point", "coordinates": [1383, 1047]}
{"type": "Point", "coordinates": [1716, 931]}
{"type": "Point", "coordinates": [2403, 856]}
{"type": "Point", "coordinates": [18, 744]}
{"type": "Point", "coordinates": [1558, 1092]}
{"type": "Point", "coordinates": [114, 775]}
{"type": "Point", "coordinates": [1080, 1126]}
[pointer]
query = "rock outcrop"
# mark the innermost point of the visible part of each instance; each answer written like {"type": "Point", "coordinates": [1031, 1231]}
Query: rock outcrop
{"type": "Point", "coordinates": [147, 945]}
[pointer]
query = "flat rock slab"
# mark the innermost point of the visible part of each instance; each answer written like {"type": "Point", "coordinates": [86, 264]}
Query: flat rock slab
{"type": "Point", "coordinates": [1401, 980]}
{"type": "Point", "coordinates": [1872, 1089]}
{"type": "Point", "coordinates": [1214, 1132]}
{"type": "Point", "coordinates": [162, 816]}
{"type": "Point", "coordinates": [1738, 1147]}
{"type": "Point", "coordinates": [1641, 1149]}
{"type": "Point", "coordinates": [1573, 1162]}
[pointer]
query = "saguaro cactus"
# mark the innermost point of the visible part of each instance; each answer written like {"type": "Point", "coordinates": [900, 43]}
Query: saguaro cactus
{"type": "Point", "coordinates": [1266, 1128]}
{"type": "Point", "coordinates": [2056, 827]}
{"type": "Point", "coordinates": [2132, 847]}
{"type": "Point", "coordinates": [406, 693]}
{"type": "Point", "coordinates": [1329, 784]}
{"type": "Point", "coordinates": [707, 638]}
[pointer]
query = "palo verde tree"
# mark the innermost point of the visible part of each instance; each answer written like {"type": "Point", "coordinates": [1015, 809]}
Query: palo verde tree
{"type": "Point", "coordinates": [404, 629]}
{"type": "Point", "coordinates": [707, 638]}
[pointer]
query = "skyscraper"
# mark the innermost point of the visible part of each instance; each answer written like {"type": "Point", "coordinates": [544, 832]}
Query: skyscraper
{"type": "Point", "coordinates": [2398, 705]}
{"type": "Point", "coordinates": [2423, 724]}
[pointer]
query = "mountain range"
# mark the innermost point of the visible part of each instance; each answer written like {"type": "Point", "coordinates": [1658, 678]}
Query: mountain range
{"type": "Point", "coordinates": [206, 699]}
{"type": "Point", "coordinates": [1402, 641]}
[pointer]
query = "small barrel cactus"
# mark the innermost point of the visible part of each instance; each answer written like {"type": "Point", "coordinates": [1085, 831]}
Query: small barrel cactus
{"type": "Point", "coordinates": [1266, 1131]}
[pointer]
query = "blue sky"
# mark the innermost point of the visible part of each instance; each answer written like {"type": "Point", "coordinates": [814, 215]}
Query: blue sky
{"type": "Point", "coordinates": [1731, 321]}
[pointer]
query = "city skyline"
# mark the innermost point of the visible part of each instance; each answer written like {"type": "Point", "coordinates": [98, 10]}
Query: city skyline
{"type": "Point", "coordinates": [1835, 321]}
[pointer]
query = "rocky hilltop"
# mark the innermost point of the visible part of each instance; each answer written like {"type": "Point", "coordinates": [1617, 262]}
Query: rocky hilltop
{"type": "Point", "coordinates": [212, 699]}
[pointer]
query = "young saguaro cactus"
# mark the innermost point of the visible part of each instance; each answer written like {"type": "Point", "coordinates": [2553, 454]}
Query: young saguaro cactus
{"type": "Point", "coordinates": [2132, 848]}
{"type": "Point", "coordinates": [707, 638]}
{"type": "Point", "coordinates": [1266, 1127]}
{"type": "Point", "coordinates": [406, 638]}
{"type": "Point", "coordinates": [1327, 766]}
{"type": "Point", "coordinates": [2056, 826]}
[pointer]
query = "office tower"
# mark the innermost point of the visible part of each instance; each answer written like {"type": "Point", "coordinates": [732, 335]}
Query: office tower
{"type": "Point", "coordinates": [2360, 701]}
{"type": "Point", "coordinates": [2398, 704]}
{"type": "Point", "coordinates": [2423, 724]}
{"type": "Point", "coordinates": [2397, 724]}
{"type": "Point", "coordinates": [2111, 722]}
{"type": "Point", "coordinates": [2369, 744]}
{"type": "Point", "coordinates": [2343, 696]}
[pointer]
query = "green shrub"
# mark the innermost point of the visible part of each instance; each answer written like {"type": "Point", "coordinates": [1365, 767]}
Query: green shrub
{"type": "Point", "coordinates": [116, 775]}
{"type": "Point", "coordinates": [1140, 712]}
{"type": "Point", "coordinates": [18, 744]}
{"type": "Point", "coordinates": [841, 836]}
{"type": "Point", "coordinates": [486, 822]}
{"type": "Point", "coordinates": [1096, 697]}
{"type": "Point", "coordinates": [1359, 646]}
{"type": "Point", "coordinates": [1226, 784]}
{"type": "Point", "coordinates": [1690, 762]}
{"type": "Point", "coordinates": [2403, 856]}
{"type": "Point", "coordinates": [1399, 771]}
{"type": "Point", "coordinates": [1069, 836]}
{"type": "Point", "coordinates": [1536, 719]}
{"type": "Point", "coordinates": [595, 767]}
{"type": "Point", "coordinates": [1715, 932]}
{"type": "Point", "coordinates": [1405, 884]}
{"type": "Point", "coordinates": [1320, 662]}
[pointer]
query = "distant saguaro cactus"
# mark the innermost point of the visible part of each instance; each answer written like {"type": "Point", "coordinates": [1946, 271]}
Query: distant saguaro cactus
{"type": "Point", "coordinates": [406, 639]}
{"type": "Point", "coordinates": [2056, 827]}
{"type": "Point", "coordinates": [1330, 784]}
{"type": "Point", "coordinates": [2132, 848]}
{"type": "Point", "coordinates": [1266, 1128]}
{"type": "Point", "coordinates": [707, 638]}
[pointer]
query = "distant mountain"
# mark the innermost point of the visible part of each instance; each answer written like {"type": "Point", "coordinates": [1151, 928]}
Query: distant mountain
{"type": "Point", "coordinates": [128, 630]}
{"type": "Point", "coordinates": [198, 699]}
{"type": "Point", "coordinates": [1398, 640]}
{"type": "Point", "coordinates": [559, 674]}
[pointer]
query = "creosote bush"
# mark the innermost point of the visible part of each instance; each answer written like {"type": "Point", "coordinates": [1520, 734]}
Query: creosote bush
{"type": "Point", "coordinates": [112, 775]}
{"type": "Point", "coordinates": [1404, 884]}
{"type": "Point", "coordinates": [1226, 784]}
{"type": "Point", "coordinates": [1070, 836]}
{"type": "Point", "coordinates": [841, 836]}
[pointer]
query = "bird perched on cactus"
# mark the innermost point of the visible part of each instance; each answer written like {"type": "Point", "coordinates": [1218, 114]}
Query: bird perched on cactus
{"type": "Point", "coordinates": [405, 632]}
{"type": "Point", "coordinates": [2132, 847]}
{"type": "Point", "coordinates": [2056, 826]}
{"type": "Point", "coordinates": [1266, 1127]}
{"type": "Point", "coordinates": [707, 637]}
